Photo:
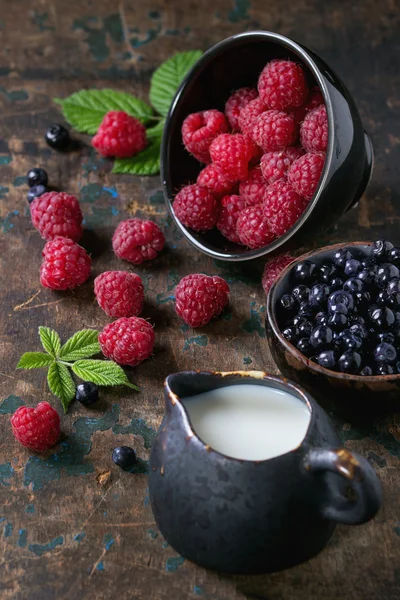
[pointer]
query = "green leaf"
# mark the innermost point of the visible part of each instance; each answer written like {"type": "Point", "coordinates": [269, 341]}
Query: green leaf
{"type": "Point", "coordinates": [50, 340]}
{"type": "Point", "coordinates": [102, 372]}
{"type": "Point", "coordinates": [82, 344]}
{"type": "Point", "coordinates": [61, 384]}
{"type": "Point", "coordinates": [148, 161]}
{"type": "Point", "coordinates": [86, 109]}
{"type": "Point", "coordinates": [156, 131]}
{"type": "Point", "coordinates": [34, 360]}
{"type": "Point", "coordinates": [167, 78]}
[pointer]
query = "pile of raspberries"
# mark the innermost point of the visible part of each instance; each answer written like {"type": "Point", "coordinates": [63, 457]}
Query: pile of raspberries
{"type": "Point", "coordinates": [264, 157]}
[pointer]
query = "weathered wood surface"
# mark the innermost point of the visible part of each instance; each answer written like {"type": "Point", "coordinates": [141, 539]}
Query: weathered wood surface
{"type": "Point", "coordinates": [73, 525]}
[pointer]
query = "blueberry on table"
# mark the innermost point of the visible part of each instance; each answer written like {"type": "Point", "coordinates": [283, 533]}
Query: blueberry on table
{"type": "Point", "coordinates": [36, 177]}
{"type": "Point", "coordinates": [304, 346]}
{"type": "Point", "coordinates": [385, 353]}
{"type": "Point", "coordinates": [35, 192]}
{"type": "Point", "coordinates": [327, 359]}
{"type": "Point", "coordinates": [349, 362]}
{"type": "Point", "coordinates": [57, 137]}
{"type": "Point", "coordinates": [87, 393]}
{"type": "Point", "coordinates": [385, 273]}
{"type": "Point", "coordinates": [352, 267]}
{"type": "Point", "coordinates": [382, 318]}
{"type": "Point", "coordinates": [385, 370]}
{"type": "Point", "coordinates": [301, 293]}
{"type": "Point", "coordinates": [340, 257]}
{"type": "Point", "coordinates": [366, 371]}
{"type": "Point", "coordinates": [304, 271]}
{"type": "Point", "coordinates": [380, 250]}
{"type": "Point", "coordinates": [321, 337]}
{"type": "Point", "coordinates": [394, 256]}
{"type": "Point", "coordinates": [124, 456]}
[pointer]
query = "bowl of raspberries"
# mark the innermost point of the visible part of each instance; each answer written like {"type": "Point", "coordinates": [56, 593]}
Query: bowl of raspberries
{"type": "Point", "coordinates": [263, 146]}
{"type": "Point", "coordinates": [333, 324]}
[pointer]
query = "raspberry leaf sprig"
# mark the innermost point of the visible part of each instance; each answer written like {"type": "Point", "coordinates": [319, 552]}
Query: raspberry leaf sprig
{"type": "Point", "coordinates": [75, 355]}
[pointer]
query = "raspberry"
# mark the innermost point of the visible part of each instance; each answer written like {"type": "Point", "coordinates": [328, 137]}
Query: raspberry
{"type": "Point", "coordinates": [282, 84]}
{"type": "Point", "coordinates": [253, 188]}
{"type": "Point", "coordinates": [272, 269]}
{"type": "Point", "coordinates": [199, 298]}
{"type": "Point", "coordinates": [314, 130]}
{"type": "Point", "coordinates": [135, 240]}
{"type": "Point", "coordinates": [282, 206]}
{"type": "Point", "coordinates": [274, 130]}
{"type": "Point", "coordinates": [232, 154]}
{"type": "Point", "coordinates": [231, 208]}
{"type": "Point", "coordinates": [315, 99]}
{"type": "Point", "coordinates": [198, 131]}
{"type": "Point", "coordinates": [196, 207]}
{"type": "Point", "coordinates": [57, 213]}
{"type": "Point", "coordinates": [120, 135]}
{"type": "Point", "coordinates": [249, 114]}
{"type": "Point", "coordinates": [120, 294]}
{"type": "Point", "coordinates": [65, 264]}
{"type": "Point", "coordinates": [127, 341]}
{"type": "Point", "coordinates": [275, 165]}
{"type": "Point", "coordinates": [305, 173]}
{"type": "Point", "coordinates": [253, 229]}
{"type": "Point", "coordinates": [236, 102]}
{"type": "Point", "coordinates": [36, 428]}
{"type": "Point", "coordinates": [215, 181]}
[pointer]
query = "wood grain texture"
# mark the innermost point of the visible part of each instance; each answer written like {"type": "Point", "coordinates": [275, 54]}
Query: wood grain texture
{"type": "Point", "coordinates": [72, 524]}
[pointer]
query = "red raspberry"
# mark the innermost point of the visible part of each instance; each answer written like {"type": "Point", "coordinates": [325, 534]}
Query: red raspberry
{"type": "Point", "coordinates": [36, 428]}
{"type": "Point", "coordinates": [232, 154]}
{"type": "Point", "coordinates": [272, 269]}
{"type": "Point", "coordinates": [120, 135]}
{"type": "Point", "coordinates": [249, 114]}
{"type": "Point", "coordinates": [282, 84]}
{"type": "Point", "coordinates": [57, 213]}
{"type": "Point", "coordinates": [238, 100]}
{"type": "Point", "coordinates": [315, 99]}
{"type": "Point", "coordinates": [135, 240]}
{"type": "Point", "coordinates": [274, 130]}
{"type": "Point", "coordinates": [231, 208]}
{"type": "Point", "coordinates": [198, 131]}
{"type": "Point", "coordinates": [253, 188]}
{"type": "Point", "coordinates": [253, 229]}
{"type": "Point", "coordinates": [282, 206]}
{"type": "Point", "coordinates": [215, 181]}
{"type": "Point", "coordinates": [314, 130]}
{"type": "Point", "coordinates": [196, 207]}
{"type": "Point", "coordinates": [120, 294]}
{"type": "Point", "coordinates": [65, 264]}
{"type": "Point", "coordinates": [305, 173]}
{"type": "Point", "coordinates": [275, 165]}
{"type": "Point", "coordinates": [199, 298]}
{"type": "Point", "coordinates": [127, 341]}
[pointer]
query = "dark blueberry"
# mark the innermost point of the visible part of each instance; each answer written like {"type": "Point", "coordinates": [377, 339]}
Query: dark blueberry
{"type": "Point", "coordinates": [35, 192]}
{"type": "Point", "coordinates": [397, 367]}
{"type": "Point", "coordinates": [291, 333]}
{"type": "Point", "coordinates": [321, 337]}
{"type": "Point", "coordinates": [385, 273]}
{"type": "Point", "coordinates": [394, 256]}
{"type": "Point", "coordinates": [321, 318]}
{"type": "Point", "coordinates": [393, 286]}
{"type": "Point", "coordinates": [124, 456]}
{"type": "Point", "coordinates": [304, 346]}
{"type": "Point", "coordinates": [380, 250]}
{"type": "Point", "coordinates": [341, 297]}
{"type": "Point", "coordinates": [359, 330]}
{"type": "Point", "coordinates": [57, 137]}
{"type": "Point", "coordinates": [304, 271]}
{"type": "Point", "coordinates": [386, 336]}
{"type": "Point", "coordinates": [353, 285]}
{"type": "Point", "coordinates": [36, 177]}
{"type": "Point", "coordinates": [394, 301]}
{"type": "Point", "coordinates": [326, 273]}
{"type": "Point", "coordinates": [301, 293]}
{"type": "Point", "coordinates": [382, 318]}
{"type": "Point", "coordinates": [305, 310]}
{"type": "Point", "coordinates": [288, 302]}
{"type": "Point", "coordinates": [356, 320]}
{"type": "Point", "coordinates": [366, 371]}
{"type": "Point", "coordinates": [340, 257]}
{"type": "Point", "coordinates": [385, 370]}
{"type": "Point", "coordinates": [363, 299]}
{"type": "Point", "coordinates": [385, 353]}
{"type": "Point", "coordinates": [298, 320]}
{"type": "Point", "coordinates": [336, 283]}
{"type": "Point", "coordinates": [337, 321]}
{"type": "Point", "coordinates": [87, 393]}
{"type": "Point", "coordinates": [369, 264]}
{"type": "Point", "coordinates": [349, 362]}
{"type": "Point", "coordinates": [318, 294]}
{"type": "Point", "coordinates": [327, 359]}
{"type": "Point", "coordinates": [367, 276]}
{"type": "Point", "coordinates": [352, 267]}
{"type": "Point", "coordinates": [382, 298]}
{"type": "Point", "coordinates": [349, 341]}
{"type": "Point", "coordinates": [305, 329]}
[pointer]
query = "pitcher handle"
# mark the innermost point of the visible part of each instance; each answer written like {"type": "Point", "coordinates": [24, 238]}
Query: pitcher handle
{"type": "Point", "coordinates": [360, 476]}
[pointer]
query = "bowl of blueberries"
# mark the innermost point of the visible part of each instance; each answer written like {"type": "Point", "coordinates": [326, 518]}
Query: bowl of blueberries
{"type": "Point", "coordinates": [333, 326]}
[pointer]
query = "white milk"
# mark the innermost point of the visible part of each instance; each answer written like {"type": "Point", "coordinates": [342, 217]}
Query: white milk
{"type": "Point", "coordinates": [251, 422]}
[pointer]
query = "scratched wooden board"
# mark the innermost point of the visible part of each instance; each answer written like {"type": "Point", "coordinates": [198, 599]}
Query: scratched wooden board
{"type": "Point", "coordinates": [72, 524]}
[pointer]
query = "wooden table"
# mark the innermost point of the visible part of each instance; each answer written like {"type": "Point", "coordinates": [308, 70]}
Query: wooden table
{"type": "Point", "coordinates": [72, 524]}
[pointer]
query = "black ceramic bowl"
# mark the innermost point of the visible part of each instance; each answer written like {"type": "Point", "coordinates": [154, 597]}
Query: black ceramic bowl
{"type": "Point", "coordinates": [347, 395]}
{"type": "Point", "coordinates": [237, 62]}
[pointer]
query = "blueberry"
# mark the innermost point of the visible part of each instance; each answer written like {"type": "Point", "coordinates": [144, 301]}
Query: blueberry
{"type": "Point", "coordinates": [327, 359]}
{"type": "Point", "coordinates": [337, 308]}
{"type": "Point", "coordinates": [349, 362]}
{"type": "Point", "coordinates": [382, 298]}
{"type": "Point", "coordinates": [304, 346]}
{"type": "Point", "coordinates": [385, 273]}
{"type": "Point", "coordinates": [380, 250]}
{"type": "Point", "coordinates": [321, 318]}
{"type": "Point", "coordinates": [387, 337]}
{"type": "Point", "coordinates": [393, 286]}
{"type": "Point", "coordinates": [337, 321]}
{"type": "Point", "coordinates": [305, 329]}
{"type": "Point", "coordinates": [36, 177]}
{"type": "Point", "coordinates": [341, 297]}
{"type": "Point", "coordinates": [385, 370]}
{"type": "Point", "coordinates": [385, 353]}
{"type": "Point", "coordinates": [124, 456]}
{"type": "Point", "coordinates": [397, 367]}
{"type": "Point", "coordinates": [367, 276]}
{"type": "Point", "coordinates": [35, 192]}
{"type": "Point", "coordinates": [359, 330]}
{"type": "Point", "coordinates": [318, 294]}
{"type": "Point", "coordinates": [321, 337]}
{"type": "Point", "coordinates": [394, 256]}
{"type": "Point", "coordinates": [57, 137]}
{"type": "Point", "coordinates": [291, 333]}
{"type": "Point", "coordinates": [366, 371]}
{"type": "Point", "coordinates": [349, 341]}
{"type": "Point", "coordinates": [369, 264]}
{"type": "Point", "coordinates": [340, 257]}
{"type": "Point", "coordinates": [362, 299]}
{"type": "Point", "coordinates": [336, 283]}
{"type": "Point", "coordinates": [298, 320]}
{"type": "Point", "coordinates": [305, 310]}
{"type": "Point", "coordinates": [304, 271]}
{"type": "Point", "coordinates": [356, 320]}
{"type": "Point", "coordinates": [326, 272]}
{"type": "Point", "coordinates": [352, 267]}
{"type": "Point", "coordinates": [382, 318]}
{"type": "Point", "coordinates": [394, 301]}
{"type": "Point", "coordinates": [87, 393]}
{"type": "Point", "coordinates": [301, 293]}
{"type": "Point", "coordinates": [353, 285]}
{"type": "Point", "coordinates": [288, 302]}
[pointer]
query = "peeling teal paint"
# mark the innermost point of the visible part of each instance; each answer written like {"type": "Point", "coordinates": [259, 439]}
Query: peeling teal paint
{"type": "Point", "coordinates": [91, 192]}
{"type": "Point", "coordinates": [96, 37]}
{"type": "Point", "coordinates": [8, 529]}
{"type": "Point", "coordinates": [22, 538]}
{"type": "Point", "coordinates": [108, 541]}
{"type": "Point", "coordinates": [198, 590]}
{"type": "Point", "coordinates": [112, 191]}
{"type": "Point", "coordinates": [154, 14]}
{"type": "Point", "coordinates": [247, 360]}
{"type": "Point", "coordinates": [146, 498]}
{"type": "Point", "coordinates": [232, 272]}
{"type": "Point", "coordinates": [149, 36]}
{"type": "Point", "coordinates": [3, 192]}
{"type": "Point", "coordinates": [153, 534]}
{"type": "Point", "coordinates": [137, 427]}
{"type": "Point", "coordinates": [14, 95]}
{"type": "Point", "coordinates": [20, 180]}
{"type": "Point", "coordinates": [10, 405]}
{"type": "Point", "coordinates": [185, 327]}
{"type": "Point", "coordinates": [79, 537]}
{"type": "Point", "coordinates": [141, 467]}
{"type": "Point", "coordinates": [174, 563]}
{"type": "Point", "coordinates": [100, 566]}
{"type": "Point", "coordinates": [161, 299]}
{"type": "Point", "coordinates": [199, 340]}
{"type": "Point", "coordinates": [30, 509]}
{"type": "Point", "coordinates": [239, 11]}
{"type": "Point", "coordinates": [5, 223]}
{"type": "Point", "coordinates": [5, 159]}
{"type": "Point", "coordinates": [157, 199]}
{"type": "Point", "coordinates": [387, 440]}
{"type": "Point", "coordinates": [255, 324]}
{"type": "Point", "coordinates": [98, 215]}
{"type": "Point", "coordinates": [40, 549]}
{"type": "Point", "coordinates": [165, 545]}
{"type": "Point", "coordinates": [6, 472]}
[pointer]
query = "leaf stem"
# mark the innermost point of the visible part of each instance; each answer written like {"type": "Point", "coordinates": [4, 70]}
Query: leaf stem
{"type": "Point", "coordinates": [63, 362]}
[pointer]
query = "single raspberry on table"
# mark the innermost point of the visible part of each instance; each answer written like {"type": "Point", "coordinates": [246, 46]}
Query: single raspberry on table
{"type": "Point", "coordinates": [232, 154]}
{"type": "Point", "coordinates": [253, 188]}
{"type": "Point", "coordinates": [36, 428]}
{"type": "Point", "coordinates": [200, 129]}
{"type": "Point", "coordinates": [199, 298]}
{"type": "Point", "coordinates": [65, 264]}
{"type": "Point", "coordinates": [120, 294]}
{"type": "Point", "coordinates": [57, 213]}
{"type": "Point", "coordinates": [127, 341]}
{"type": "Point", "coordinates": [120, 135]}
{"type": "Point", "coordinates": [253, 229]}
{"type": "Point", "coordinates": [230, 211]}
{"type": "Point", "coordinates": [272, 269]}
{"type": "Point", "coordinates": [275, 165]}
{"type": "Point", "coordinates": [196, 207]}
{"type": "Point", "coordinates": [282, 84]}
{"type": "Point", "coordinates": [282, 206]}
{"type": "Point", "coordinates": [213, 179]}
{"type": "Point", "coordinates": [238, 100]}
{"type": "Point", "coordinates": [314, 130]}
{"type": "Point", "coordinates": [305, 173]}
{"type": "Point", "coordinates": [249, 114]}
{"type": "Point", "coordinates": [135, 240]}
{"type": "Point", "coordinates": [274, 130]}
